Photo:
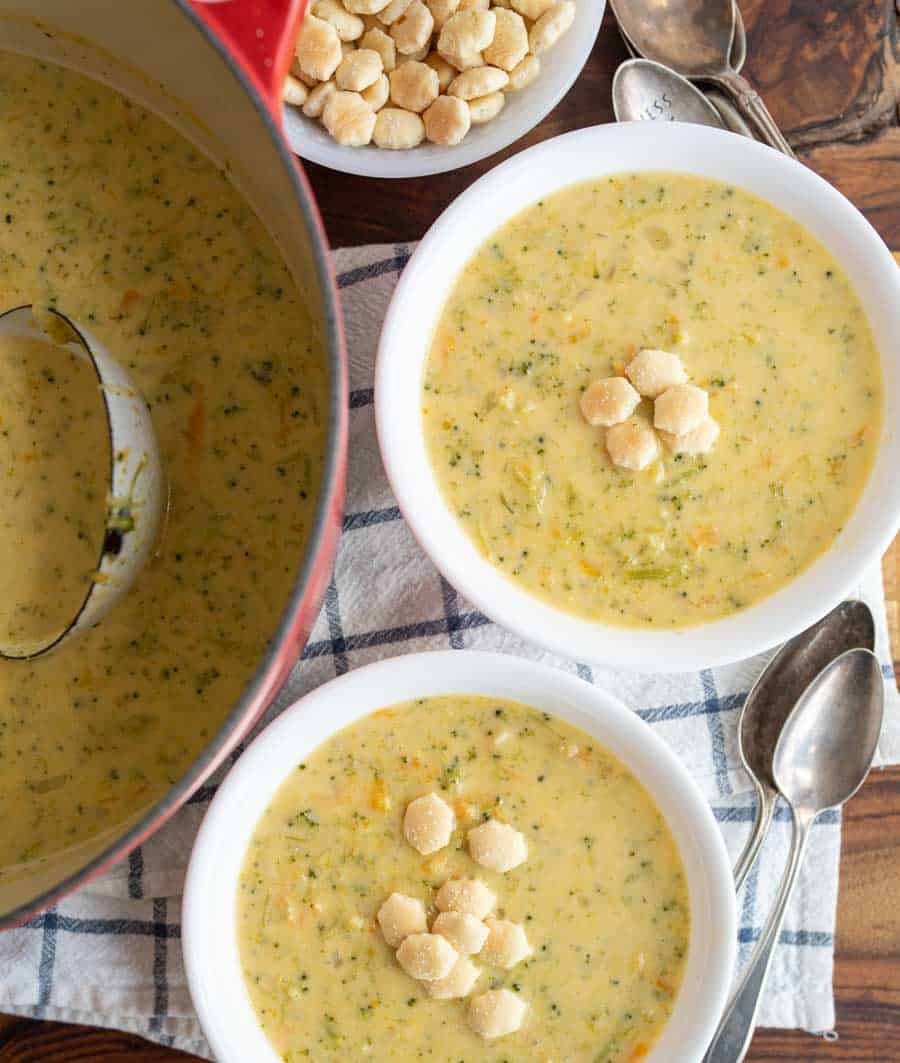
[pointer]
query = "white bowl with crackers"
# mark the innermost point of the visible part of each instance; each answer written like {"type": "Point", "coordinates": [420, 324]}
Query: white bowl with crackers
{"type": "Point", "coordinates": [413, 324]}
{"type": "Point", "coordinates": [491, 93]}
{"type": "Point", "coordinates": [211, 907]}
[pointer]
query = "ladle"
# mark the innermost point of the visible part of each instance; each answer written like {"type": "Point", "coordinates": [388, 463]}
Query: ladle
{"type": "Point", "coordinates": [136, 491]}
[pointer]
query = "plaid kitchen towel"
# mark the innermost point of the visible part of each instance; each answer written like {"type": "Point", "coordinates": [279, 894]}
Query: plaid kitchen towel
{"type": "Point", "coordinates": [110, 955]}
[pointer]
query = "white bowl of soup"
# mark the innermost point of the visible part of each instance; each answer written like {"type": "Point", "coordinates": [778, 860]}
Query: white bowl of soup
{"type": "Point", "coordinates": [625, 895]}
{"type": "Point", "coordinates": [781, 305]}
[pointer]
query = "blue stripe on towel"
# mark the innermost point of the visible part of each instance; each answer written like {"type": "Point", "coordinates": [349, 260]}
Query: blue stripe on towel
{"type": "Point", "coordinates": [136, 874]}
{"type": "Point", "coordinates": [47, 962]}
{"type": "Point", "coordinates": [716, 731]}
{"type": "Point", "coordinates": [160, 964]}
{"type": "Point", "coordinates": [335, 629]}
{"type": "Point", "coordinates": [355, 521]}
{"type": "Point", "coordinates": [374, 269]}
{"type": "Point", "coordinates": [64, 924]}
{"type": "Point", "coordinates": [389, 636]}
{"type": "Point", "coordinates": [450, 600]}
{"type": "Point", "coordinates": [692, 708]}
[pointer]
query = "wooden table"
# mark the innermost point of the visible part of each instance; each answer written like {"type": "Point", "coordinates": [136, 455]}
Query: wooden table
{"type": "Point", "coordinates": [830, 72]}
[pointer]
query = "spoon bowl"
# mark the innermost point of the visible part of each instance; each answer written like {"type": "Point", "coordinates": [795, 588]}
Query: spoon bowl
{"type": "Point", "coordinates": [738, 47]}
{"type": "Point", "coordinates": [690, 36]}
{"type": "Point", "coordinates": [829, 740]}
{"type": "Point", "coordinates": [643, 90]}
{"type": "Point", "coordinates": [793, 668]}
{"type": "Point", "coordinates": [775, 693]}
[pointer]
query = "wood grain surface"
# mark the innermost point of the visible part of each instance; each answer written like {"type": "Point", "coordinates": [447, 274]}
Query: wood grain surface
{"type": "Point", "coordinates": [830, 72]}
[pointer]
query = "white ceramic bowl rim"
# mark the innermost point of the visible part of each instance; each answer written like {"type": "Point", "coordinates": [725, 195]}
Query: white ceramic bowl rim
{"type": "Point", "coordinates": [208, 912]}
{"type": "Point", "coordinates": [560, 68]}
{"type": "Point", "coordinates": [420, 296]}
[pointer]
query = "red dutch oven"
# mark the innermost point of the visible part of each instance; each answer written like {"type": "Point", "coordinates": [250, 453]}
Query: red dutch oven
{"type": "Point", "coordinates": [215, 69]}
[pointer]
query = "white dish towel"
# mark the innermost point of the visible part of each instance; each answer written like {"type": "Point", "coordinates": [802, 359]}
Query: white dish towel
{"type": "Point", "coordinates": [110, 954]}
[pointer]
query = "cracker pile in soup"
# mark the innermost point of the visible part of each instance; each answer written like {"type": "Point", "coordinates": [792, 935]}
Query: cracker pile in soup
{"type": "Point", "coordinates": [113, 218]}
{"type": "Point", "coordinates": [592, 908]}
{"type": "Point", "coordinates": [763, 322]}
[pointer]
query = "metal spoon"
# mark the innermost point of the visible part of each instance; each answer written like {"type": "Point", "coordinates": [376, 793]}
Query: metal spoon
{"type": "Point", "coordinates": [821, 759]}
{"type": "Point", "coordinates": [731, 117]}
{"type": "Point", "coordinates": [738, 47]}
{"type": "Point", "coordinates": [695, 38]}
{"type": "Point", "coordinates": [739, 44]}
{"type": "Point", "coordinates": [729, 114]}
{"type": "Point", "coordinates": [773, 695]}
{"type": "Point", "coordinates": [136, 496]}
{"type": "Point", "coordinates": [646, 91]}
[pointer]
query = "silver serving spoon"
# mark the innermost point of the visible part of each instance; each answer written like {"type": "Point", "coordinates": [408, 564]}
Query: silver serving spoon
{"type": "Point", "coordinates": [695, 39]}
{"type": "Point", "coordinates": [821, 759]}
{"type": "Point", "coordinates": [646, 91]}
{"type": "Point", "coordinates": [773, 695]}
{"type": "Point", "coordinates": [136, 495]}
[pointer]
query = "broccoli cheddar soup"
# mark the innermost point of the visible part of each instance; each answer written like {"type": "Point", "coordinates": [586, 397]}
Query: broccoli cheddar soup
{"type": "Point", "coordinates": [52, 521]}
{"type": "Point", "coordinates": [113, 218]}
{"type": "Point", "coordinates": [652, 399]}
{"type": "Point", "coordinates": [459, 879]}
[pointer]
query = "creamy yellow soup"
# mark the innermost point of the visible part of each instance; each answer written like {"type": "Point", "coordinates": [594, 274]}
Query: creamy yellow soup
{"type": "Point", "coordinates": [54, 474]}
{"type": "Point", "coordinates": [761, 317]}
{"type": "Point", "coordinates": [112, 217]}
{"type": "Point", "coordinates": [602, 895]}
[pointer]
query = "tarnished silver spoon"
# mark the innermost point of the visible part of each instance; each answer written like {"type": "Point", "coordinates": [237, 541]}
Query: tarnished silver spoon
{"type": "Point", "coordinates": [821, 759]}
{"type": "Point", "coordinates": [738, 47]}
{"type": "Point", "coordinates": [136, 494]}
{"type": "Point", "coordinates": [695, 39]}
{"type": "Point", "coordinates": [773, 696]}
{"type": "Point", "coordinates": [646, 91]}
{"type": "Point", "coordinates": [731, 117]}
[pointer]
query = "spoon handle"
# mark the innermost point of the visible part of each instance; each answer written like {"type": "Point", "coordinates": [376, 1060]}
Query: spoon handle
{"type": "Point", "coordinates": [766, 801]}
{"type": "Point", "coordinates": [735, 1031]}
{"type": "Point", "coordinates": [730, 115]}
{"type": "Point", "coordinates": [750, 104]}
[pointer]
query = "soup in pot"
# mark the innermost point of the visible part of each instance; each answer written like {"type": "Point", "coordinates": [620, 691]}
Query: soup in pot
{"type": "Point", "coordinates": [55, 460]}
{"type": "Point", "coordinates": [115, 219]}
